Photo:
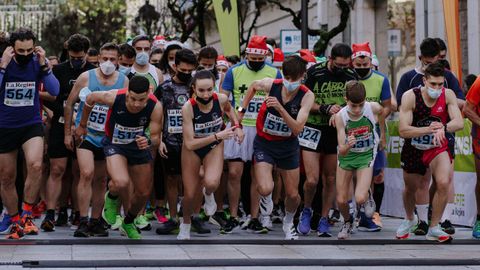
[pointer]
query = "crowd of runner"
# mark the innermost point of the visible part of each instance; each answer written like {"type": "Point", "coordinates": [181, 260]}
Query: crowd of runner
{"type": "Point", "coordinates": [150, 134]}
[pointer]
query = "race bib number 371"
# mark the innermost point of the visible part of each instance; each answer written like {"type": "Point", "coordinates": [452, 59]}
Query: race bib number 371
{"type": "Point", "coordinates": [19, 94]}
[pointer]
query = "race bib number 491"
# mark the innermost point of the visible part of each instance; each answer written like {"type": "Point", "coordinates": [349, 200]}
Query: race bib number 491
{"type": "Point", "coordinates": [424, 142]}
{"type": "Point", "coordinates": [19, 94]}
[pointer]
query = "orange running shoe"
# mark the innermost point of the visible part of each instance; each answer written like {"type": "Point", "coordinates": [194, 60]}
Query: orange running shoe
{"type": "Point", "coordinates": [16, 232]}
{"type": "Point", "coordinates": [39, 209]}
{"type": "Point", "coordinates": [29, 226]}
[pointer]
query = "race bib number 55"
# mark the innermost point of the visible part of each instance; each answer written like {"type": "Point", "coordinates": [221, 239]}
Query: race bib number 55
{"type": "Point", "coordinates": [174, 118]}
{"type": "Point", "coordinates": [19, 94]}
{"type": "Point", "coordinates": [98, 117]}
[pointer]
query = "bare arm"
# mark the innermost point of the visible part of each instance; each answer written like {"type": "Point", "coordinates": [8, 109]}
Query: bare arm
{"type": "Point", "coordinates": [343, 145]}
{"type": "Point", "coordinates": [227, 109]}
{"type": "Point", "coordinates": [47, 97]}
{"type": "Point", "coordinates": [471, 113]}
{"type": "Point", "coordinates": [160, 76]}
{"type": "Point", "coordinates": [264, 85]}
{"type": "Point", "coordinates": [456, 119]}
{"type": "Point", "coordinates": [156, 124]}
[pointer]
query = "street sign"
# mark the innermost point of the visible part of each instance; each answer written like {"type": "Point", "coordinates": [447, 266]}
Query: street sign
{"type": "Point", "coordinates": [291, 41]}
{"type": "Point", "coordinates": [394, 42]}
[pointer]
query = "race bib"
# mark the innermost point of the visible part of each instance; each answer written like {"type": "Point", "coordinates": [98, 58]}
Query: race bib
{"type": "Point", "coordinates": [97, 118]}
{"type": "Point", "coordinates": [174, 118]}
{"type": "Point", "coordinates": [19, 94]}
{"type": "Point", "coordinates": [424, 142]}
{"type": "Point", "coordinates": [310, 137]}
{"type": "Point", "coordinates": [125, 135]}
{"type": "Point", "coordinates": [208, 128]}
{"type": "Point", "coordinates": [253, 107]}
{"type": "Point", "coordinates": [275, 125]}
{"type": "Point", "coordinates": [363, 144]}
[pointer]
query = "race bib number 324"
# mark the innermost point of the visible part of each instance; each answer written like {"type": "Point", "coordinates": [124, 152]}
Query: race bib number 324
{"type": "Point", "coordinates": [19, 94]}
{"type": "Point", "coordinates": [310, 137]}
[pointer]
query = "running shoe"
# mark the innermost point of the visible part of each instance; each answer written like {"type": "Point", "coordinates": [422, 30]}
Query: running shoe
{"type": "Point", "coordinates": [421, 229]}
{"type": "Point", "coordinates": [74, 220]}
{"type": "Point", "coordinates": [277, 214]}
{"type": "Point", "coordinates": [161, 214]}
{"type": "Point", "coordinates": [82, 230]}
{"type": "Point", "coordinates": [323, 229]}
{"type": "Point", "coordinates": [290, 232]}
{"type": "Point", "coordinates": [168, 227]}
{"type": "Point", "coordinates": [256, 227]}
{"type": "Point", "coordinates": [39, 209]}
{"type": "Point", "coordinates": [110, 209]}
{"type": "Point", "coordinates": [333, 216]}
{"type": "Point", "coordinates": [198, 226]}
{"type": "Point", "coordinates": [266, 222]}
{"type": "Point", "coordinates": [142, 223]}
{"type": "Point", "coordinates": [5, 224]}
{"type": "Point", "coordinates": [184, 233]}
{"type": "Point", "coordinates": [346, 230]}
{"type": "Point", "coordinates": [230, 226]}
{"type": "Point", "coordinates": [130, 230]}
{"type": "Point", "coordinates": [266, 205]}
{"type": "Point", "coordinates": [48, 224]}
{"type": "Point", "coordinates": [406, 227]}
{"type": "Point", "coordinates": [62, 219]}
{"type": "Point", "coordinates": [303, 226]}
{"type": "Point", "coordinates": [16, 232]}
{"type": "Point", "coordinates": [244, 221]}
{"type": "Point", "coordinates": [476, 230]}
{"type": "Point", "coordinates": [210, 205]}
{"type": "Point", "coordinates": [447, 227]}
{"type": "Point", "coordinates": [150, 213]}
{"type": "Point", "coordinates": [369, 206]}
{"type": "Point", "coordinates": [437, 234]}
{"type": "Point", "coordinates": [218, 219]}
{"type": "Point", "coordinates": [377, 219]}
{"type": "Point", "coordinates": [29, 227]}
{"type": "Point", "coordinates": [97, 229]}
{"type": "Point", "coordinates": [117, 224]}
{"type": "Point", "coordinates": [366, 224]}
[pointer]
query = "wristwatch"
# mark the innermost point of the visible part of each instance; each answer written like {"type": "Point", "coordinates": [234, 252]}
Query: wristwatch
{"type": "Point", "coordinates": [241, 110]}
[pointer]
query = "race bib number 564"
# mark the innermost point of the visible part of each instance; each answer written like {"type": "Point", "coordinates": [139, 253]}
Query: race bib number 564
{"type": "Point", "coordinates": [19, 94]}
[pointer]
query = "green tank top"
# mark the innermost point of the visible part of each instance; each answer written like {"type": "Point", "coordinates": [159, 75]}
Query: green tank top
{"type": "Point", "coordinates": [242, 78]}
{"type": "Point", "coordinates": [365, 134]}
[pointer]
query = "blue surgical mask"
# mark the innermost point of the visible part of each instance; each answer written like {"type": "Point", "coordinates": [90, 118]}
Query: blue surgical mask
{"type": "Point", "coordinates": [433, 93]}
{"type": "Point", "coordinates": [125, 70]}
{"type": "Point", "coordinates": [142, 58]}
{"type": "Point", "coordinates": [268, 60]}
{"type": "Point", "coordinates": [291, 86]}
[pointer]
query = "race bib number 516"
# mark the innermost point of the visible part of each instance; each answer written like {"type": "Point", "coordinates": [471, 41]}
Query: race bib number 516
{"type": "Point", "coordinates": [19, 94]}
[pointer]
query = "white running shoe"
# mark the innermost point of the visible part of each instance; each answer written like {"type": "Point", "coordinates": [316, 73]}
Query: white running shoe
{"type": "Point", "coordinates": [406, 227]}
{"type": "Point", "coordinates": [266, 205]}
{"type": "Point", "coordinates": [266, 221]}
{"type": "Point", "coordinates": [437, 234]}
{"type": "Point", "coordinates": [345, 231]}
{"type": "Point", "coordinates": [290, 232]}
{"type": "Point", "coordinates": [210, 205]}
{"type": "Point", "coordinates": [184, 233]}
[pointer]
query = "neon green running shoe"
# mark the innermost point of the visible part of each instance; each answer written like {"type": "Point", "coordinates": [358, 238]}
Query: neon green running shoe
{"type": "Point", "coordinates": [110, 209]}
{"type": "Point", "coordinates": [130, 230]}
{"type": "Point", "coordinates": [142, 223]}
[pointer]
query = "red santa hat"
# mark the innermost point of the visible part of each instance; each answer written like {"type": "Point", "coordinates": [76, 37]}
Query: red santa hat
{"type": "Point", "coordinates": [222, 61]}
{"type": "Point", "coordinates": [361, 49]}
{"type": "Point", "coordinates": [307, 55]}
{"type": "Point", "coordinates": [257, 45]}
{"type": "Point", "coordinates": [278, 57]}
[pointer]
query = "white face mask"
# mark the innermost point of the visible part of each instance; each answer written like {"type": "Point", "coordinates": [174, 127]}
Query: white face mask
{"type": "Point", "coordinates": [171, 63]}
{"type": "Point", "coordinates": [107, 68]}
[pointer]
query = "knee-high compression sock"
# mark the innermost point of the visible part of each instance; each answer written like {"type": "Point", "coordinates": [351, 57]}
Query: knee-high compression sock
{"type": "Point", "coordinates": [378, 190]}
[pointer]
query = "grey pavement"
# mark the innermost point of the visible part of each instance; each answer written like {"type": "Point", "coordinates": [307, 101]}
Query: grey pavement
{"type": "Point", "coordinates": [230, 249]}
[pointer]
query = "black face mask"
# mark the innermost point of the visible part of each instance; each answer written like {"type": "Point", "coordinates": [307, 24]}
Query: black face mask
{"type": "Point", "coordinates": [184, 77]}
{"type": "Point", "coordinates": [362, 72]}
{"type": "Point", "coordinates": [77, 64]}
{"type": "Point", "coordinates": [255, 65]}
{"type": "Point", "coordinates": [23, 59]}
{"type": "Point", "coordinates": [204, 101]}
{"type": "Point", "coordinates": [157, 65]}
